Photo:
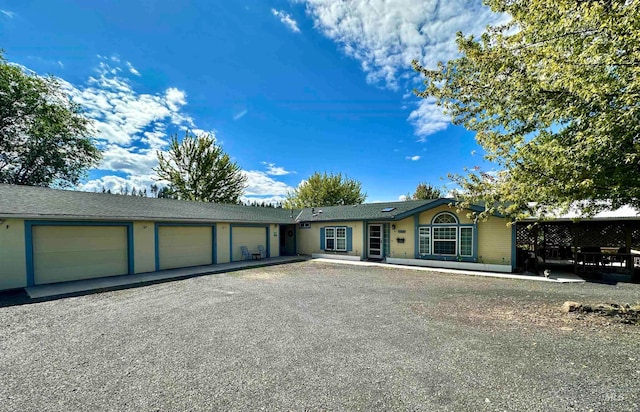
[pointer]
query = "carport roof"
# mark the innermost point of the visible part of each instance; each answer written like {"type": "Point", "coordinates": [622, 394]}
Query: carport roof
{"type": "Point", "coordinates": [45, 203]}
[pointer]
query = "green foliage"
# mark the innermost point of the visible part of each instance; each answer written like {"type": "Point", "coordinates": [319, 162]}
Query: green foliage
{"type": "Point", "coordinates": [198, 169]}
{"type": "Point", "coordinates": [44, 138]}
{"type": "Point", "coordinates": [326, 190]}
{"type": "Point", "coordinates": [425, 191]}
{"type": "Point", "coordinates": [554, 97]}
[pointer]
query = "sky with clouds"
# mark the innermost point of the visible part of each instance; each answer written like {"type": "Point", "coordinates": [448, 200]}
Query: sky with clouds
{"type": "Point", "coordinates": [286, 87]}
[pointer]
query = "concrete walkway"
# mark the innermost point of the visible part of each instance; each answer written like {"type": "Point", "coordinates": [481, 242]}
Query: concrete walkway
{"type": "Point", "coordinates": [79, 287]}
{"type": "Point", "coordinates": [557, 277]}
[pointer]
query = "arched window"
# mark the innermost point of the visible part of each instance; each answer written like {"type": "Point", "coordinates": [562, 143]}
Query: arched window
{"type": "Point", "coordinates": [445, 234]}
{"type": "Point", "coordinates": [444, 218]}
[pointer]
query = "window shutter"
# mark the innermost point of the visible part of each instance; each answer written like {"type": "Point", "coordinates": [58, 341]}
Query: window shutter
{"type": "Point", "coordinates": [349, 239]}
{"type": "Point", "coordinates": [321, 238]}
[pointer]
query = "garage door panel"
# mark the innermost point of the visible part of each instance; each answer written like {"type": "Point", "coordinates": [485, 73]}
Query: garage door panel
{"type": "Point", "coordinates": [250, 237]}
{"type": "Point", "coordinates": [64, 253]}
{"type": "Point", "coordinates": [184, 246]}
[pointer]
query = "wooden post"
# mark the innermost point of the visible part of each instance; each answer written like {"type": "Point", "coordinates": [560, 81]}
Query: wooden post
{"type": "Point", "coordinates": [627, 245]}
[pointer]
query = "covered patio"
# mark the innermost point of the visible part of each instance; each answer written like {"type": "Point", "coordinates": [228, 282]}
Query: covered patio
{"type": "Point", "coordinates": [594, 248]}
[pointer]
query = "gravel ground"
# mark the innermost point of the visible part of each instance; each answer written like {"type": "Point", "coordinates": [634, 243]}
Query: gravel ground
{"type": "Point", "coordinates": [321, 336]}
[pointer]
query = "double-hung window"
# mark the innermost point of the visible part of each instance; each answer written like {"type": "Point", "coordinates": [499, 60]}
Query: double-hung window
{"type": "Point", "coordinates": [335, 238]}
{"type": "Point", "coordinates": [445, 240]}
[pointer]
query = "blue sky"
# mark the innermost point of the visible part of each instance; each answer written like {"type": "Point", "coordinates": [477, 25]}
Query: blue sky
{"type": "Point", "coordinates": [287, 87]}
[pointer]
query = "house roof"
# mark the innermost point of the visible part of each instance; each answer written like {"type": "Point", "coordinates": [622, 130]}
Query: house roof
{"type": "Point", "coordinates": [32, 202]}
{"type": "Point", "coordinates": [45, 203]}
{"type": "Point", "coordinates": [369, 211]}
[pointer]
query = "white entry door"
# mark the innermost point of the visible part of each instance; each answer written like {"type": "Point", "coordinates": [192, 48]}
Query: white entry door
{"type": "Point", "coordinates": [375, 241]}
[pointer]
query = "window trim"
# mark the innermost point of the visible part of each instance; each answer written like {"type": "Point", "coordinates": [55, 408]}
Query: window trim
{"type": "Point", "coordinates": [428, 242]}
{"type": "Point", "coordinates": [335, 238]}
{"type": "Point", "coordinates": [472, 228]}
{"type": "Point", "coordinates": [455, 219]}
{"type": "Point", "coordinates": [456, 228]}
{"type": "Point", "coordinates": [454, 241]}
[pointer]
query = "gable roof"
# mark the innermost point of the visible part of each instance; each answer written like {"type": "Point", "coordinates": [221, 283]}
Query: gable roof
{"type": "Point", "coordinates": [44, 203]}
{"type": "Point", "coordinates": [369, 211]}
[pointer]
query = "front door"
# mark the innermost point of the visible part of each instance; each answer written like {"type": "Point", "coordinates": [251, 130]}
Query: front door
{"type": "Point", "coordinates": [375, 241]}
{"type": "Point", "coordinates": [287, 240]}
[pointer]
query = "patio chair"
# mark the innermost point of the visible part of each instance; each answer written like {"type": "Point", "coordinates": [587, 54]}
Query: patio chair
{"type": "Point", "coordinates": [263, 253]}
{"type": "Point", "coordinates": [245, 253]}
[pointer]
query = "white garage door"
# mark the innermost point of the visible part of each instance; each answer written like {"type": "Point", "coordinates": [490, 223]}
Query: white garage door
{"type": "Point", "coordinates": [64, 253]}
{"type": "Point", "coordinates": [183, 246]}
{"type": "Point", "coordinates": [250, 237]}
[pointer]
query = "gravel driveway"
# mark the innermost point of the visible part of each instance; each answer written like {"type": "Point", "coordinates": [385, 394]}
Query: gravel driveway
{"type": "Point", "coordinates": [322, 336]}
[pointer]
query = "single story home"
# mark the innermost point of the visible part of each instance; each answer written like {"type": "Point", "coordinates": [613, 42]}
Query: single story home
{"type": "Point", "coordinates": [49, 235]}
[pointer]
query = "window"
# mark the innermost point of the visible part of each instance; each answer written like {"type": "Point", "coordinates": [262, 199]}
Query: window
{"type": "Point", "coordinates": [335, 238]}
{"type": "Point", "coordinates": [425, 240]}
{"type": "Point", "coordinates": [445, 240]}
{"type": "Point", "coordinates": [445, 218]}
{"type": "Point", "coordinates": [388, 209]}
{"type": "Point", "coordinates": [466, 241]}
{"type": "Point", "coordinates": [341, 238]}
{"type": "Point", "coordinates": [446, 237]}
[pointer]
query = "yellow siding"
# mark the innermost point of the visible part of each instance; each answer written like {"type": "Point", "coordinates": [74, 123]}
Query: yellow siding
{"type": "Point", "coordinates": [494, 241]}
{"type": "Point", "coordinates": [403, 250]}
{"type": "Point", "coordinates": [222, 243]}
{"type": "Point", "coordinates": [13, 267]}
{"type": "Point", "coordinates": [274, 233]}
{"type": "Point", "coordinates": [64, 253]}
{"type": "Point", "coordinates": [250, 237]}
{"type": "Point", "coordinates": [494, 236]}
{"type": "Point", "coordinates": [184, 246]}
{"type": "Point", "coordinates": [308, 240]}
{"type": "Point", "coordinates": [144, 247]}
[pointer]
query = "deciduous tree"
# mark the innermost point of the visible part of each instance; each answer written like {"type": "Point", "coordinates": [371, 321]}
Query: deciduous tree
{"type": "Point", "coordinates": [326, 190]}
{"type": "Point", "coordinates": [198, 169]}
{"type": "Point", "coordinates": [554, 99]}
{"type": "Point", "coordinates": [44, 137]}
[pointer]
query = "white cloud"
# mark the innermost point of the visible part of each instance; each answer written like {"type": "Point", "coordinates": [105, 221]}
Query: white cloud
{"type": "Point", "coordinates": [287, 20]}
{"type": "Point", "coordinates": [260, 184]}
{"type": "Point", "coordinates": [240, 115]}
{"type": "Point", "coordinates": [413, 158]}
{"type": "Point", "coordinates": [122, 116]}
{"type": "Point", "coordinates": [274, 170]}
{"type": "Point", "coordinates": [132, 69]}
{"type": "Point", "coordinates": [385, 36]}
{"type": "Point", "coordinates": [175, 98]}
{"type": "Point", "coordinates": [202, 132]}
{"type": "Point", "coordinates": [428, 119]}
{"type": "Point", "coordinates": [129, 161]}
{"type": "Point", "coordinates": [402, 198]}
{"type": "Point", "coordinates": [8, 13]}
{"type": "Point", "coordinates": [129, 127]}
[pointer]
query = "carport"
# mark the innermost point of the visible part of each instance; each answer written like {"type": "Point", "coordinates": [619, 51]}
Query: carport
{"type": "Point", "coordinates": [594, 246]}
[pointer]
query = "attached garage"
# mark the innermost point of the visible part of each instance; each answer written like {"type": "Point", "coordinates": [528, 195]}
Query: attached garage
{"type": "Point", "coordinates": [249, 236]}
{"type": "Point", "coordinates": [179, 245]}
{"type": "Point", "coordinates": [61, 252]}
